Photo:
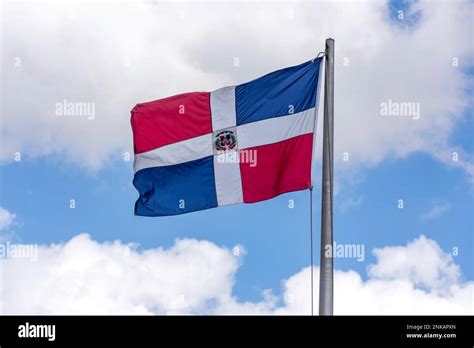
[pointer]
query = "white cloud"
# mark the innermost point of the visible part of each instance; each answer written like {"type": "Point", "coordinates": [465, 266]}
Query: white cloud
{"type": "Point", "coordinates": [421, 262]}
{"type": "Point", "coordinates": [83, 276]}
{"type": "Point", "coordinates": [86, 277]}
{"type": "Point", "coordinates": [435, 211]}
{"type": "Point", "coordinates": [415, 279]}
{"type": "Point", "coordinates": [117, 56]}
{"type": "Point", "coordinates": [6, 219]}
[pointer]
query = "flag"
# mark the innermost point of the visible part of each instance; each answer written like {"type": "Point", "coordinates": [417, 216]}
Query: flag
{"type": "Point", "coordinates": [238, 144]}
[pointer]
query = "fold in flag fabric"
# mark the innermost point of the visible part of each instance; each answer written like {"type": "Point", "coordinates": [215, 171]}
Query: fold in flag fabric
{"type": "Point", "coordinates": [238, 144]}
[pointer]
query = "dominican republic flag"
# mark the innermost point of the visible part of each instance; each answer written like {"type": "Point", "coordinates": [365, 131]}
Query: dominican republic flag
{"type": "Point", "coordinates": [238, 144]}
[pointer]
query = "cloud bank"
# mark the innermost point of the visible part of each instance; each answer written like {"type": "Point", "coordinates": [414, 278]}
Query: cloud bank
{"type": "Point", "coordinates": [115, 56]}
{"type": "Point", "coordinates": [83, 276]}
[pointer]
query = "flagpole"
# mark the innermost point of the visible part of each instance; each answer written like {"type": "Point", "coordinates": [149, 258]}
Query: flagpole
{"type": "Point", "coordinates": [326, 271]}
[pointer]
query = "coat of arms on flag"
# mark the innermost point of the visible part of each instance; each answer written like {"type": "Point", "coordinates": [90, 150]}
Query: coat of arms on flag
{"type": "Point", "coordinates": [177, 141]}
{"type": "Point", "coordinates": [225, 140]}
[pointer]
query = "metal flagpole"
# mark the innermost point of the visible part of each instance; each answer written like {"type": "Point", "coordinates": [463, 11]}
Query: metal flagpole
{"type": "Point", "coordinates": [326, 271]}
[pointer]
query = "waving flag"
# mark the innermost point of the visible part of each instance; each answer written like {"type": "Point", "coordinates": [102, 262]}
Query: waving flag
{"type": "Point", "coordinates": [238, 144]}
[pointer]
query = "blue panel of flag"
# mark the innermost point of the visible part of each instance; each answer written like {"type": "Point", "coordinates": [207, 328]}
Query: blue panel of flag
{"type": "Point", "coordinates": [279, 93]}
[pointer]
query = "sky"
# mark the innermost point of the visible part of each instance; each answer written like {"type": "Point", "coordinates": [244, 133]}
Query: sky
{"type": "Point", "coordinates": [403, 184]}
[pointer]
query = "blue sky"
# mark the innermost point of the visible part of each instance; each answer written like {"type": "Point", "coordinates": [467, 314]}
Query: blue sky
{"type": "Point", "coordinates": [39, 187]}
